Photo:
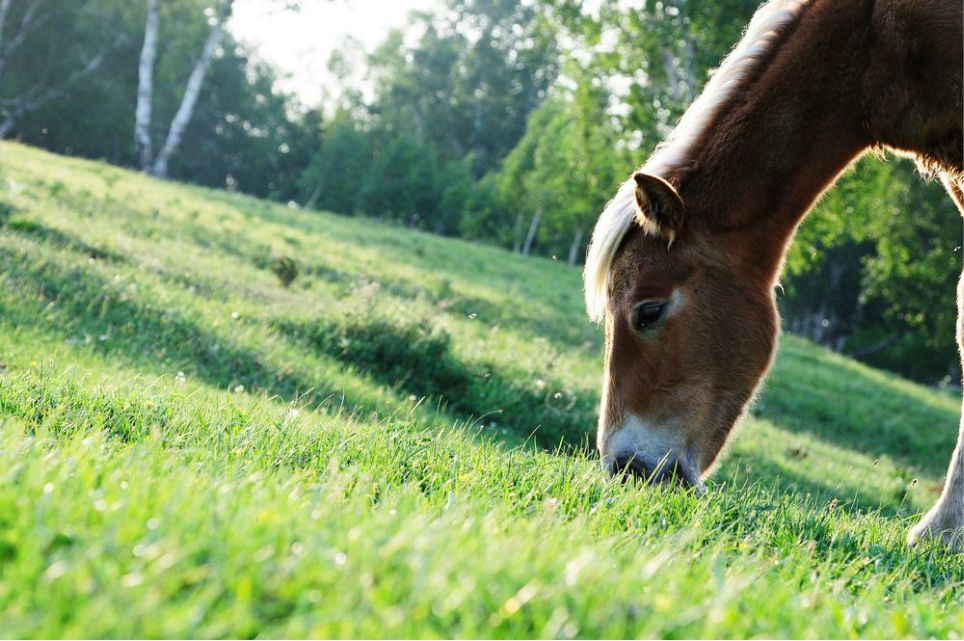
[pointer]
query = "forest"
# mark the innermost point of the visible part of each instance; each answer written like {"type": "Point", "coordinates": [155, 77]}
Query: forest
{"type": "Point", "coordinates": [504, 122]}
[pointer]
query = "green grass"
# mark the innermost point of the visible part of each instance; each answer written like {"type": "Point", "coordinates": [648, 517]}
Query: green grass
{"type": "Point", "coordinates": [398, 444]}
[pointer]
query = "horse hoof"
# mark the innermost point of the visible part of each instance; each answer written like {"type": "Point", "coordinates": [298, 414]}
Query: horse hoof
{"type": "Point", "coordinates": [935, 528]}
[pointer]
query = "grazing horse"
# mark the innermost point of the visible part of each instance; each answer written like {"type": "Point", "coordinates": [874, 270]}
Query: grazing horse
{"type": "Point", "coordinates": [684, 260]}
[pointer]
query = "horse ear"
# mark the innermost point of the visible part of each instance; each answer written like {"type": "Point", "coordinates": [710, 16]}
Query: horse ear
{"type": "Point", "coordinates": [659, 208]}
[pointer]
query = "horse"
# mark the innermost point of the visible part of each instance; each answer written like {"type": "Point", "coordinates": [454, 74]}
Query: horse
{"type": "Point", "coordinates": [684, 261]}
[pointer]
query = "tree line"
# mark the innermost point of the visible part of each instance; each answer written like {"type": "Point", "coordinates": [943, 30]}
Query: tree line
{"type": "Point", "coordinates": [500, 121]}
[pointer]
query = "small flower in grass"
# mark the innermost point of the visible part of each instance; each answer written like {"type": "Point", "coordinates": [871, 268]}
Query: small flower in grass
{"type": "Point", "coordinates": [238, 389]}
{"type": "Point", "coordinates": [131, 580]}
{"type": "Point", "coordinates": [181, 378]}
{"type": "Point", "coordinates": [235, 316]}
{"type": "Point", "coordinates": [55, 571]}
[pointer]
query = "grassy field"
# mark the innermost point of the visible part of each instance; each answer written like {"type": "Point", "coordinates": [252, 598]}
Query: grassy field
{"type": "Point", "coordinates": [398, 444]}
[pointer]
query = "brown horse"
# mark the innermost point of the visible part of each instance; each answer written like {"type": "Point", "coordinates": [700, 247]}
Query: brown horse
{"type": "Point", "coordinates": [684, 260]}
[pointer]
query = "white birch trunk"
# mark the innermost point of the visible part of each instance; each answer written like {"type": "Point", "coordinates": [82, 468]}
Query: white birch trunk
{"type": "Point", "coordinates": [18, 36]}
{"type": "Point", "coordinates": [689, 65]}
{"type": "Point", "coordinates": [191, 93]}
{"type": "Point", "coordinates": [6, 127]}
{"type": "Point", "coordinates": [517, 234]}
{"type": "Point", "coordinates": [531, 236]}
{"type": "Point", "coordinates": [574, 247]}
{"type": "Point", "coordinates": [672, 77]}
{"type": "Point", "coordinates": [4, 9]}
{"type": "Point", "coordinates": [145, 87]}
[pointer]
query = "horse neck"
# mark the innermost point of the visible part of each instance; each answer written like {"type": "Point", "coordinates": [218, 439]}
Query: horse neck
{"type": "Point", "coordinates": [782, 141]}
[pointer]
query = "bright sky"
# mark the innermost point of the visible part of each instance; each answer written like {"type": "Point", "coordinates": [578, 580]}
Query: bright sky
{"type": "Point", "coordinates": [299, 43]}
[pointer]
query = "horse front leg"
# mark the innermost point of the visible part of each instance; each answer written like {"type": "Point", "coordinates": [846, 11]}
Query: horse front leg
{"type": "Point", "coordinates": [946, 519]}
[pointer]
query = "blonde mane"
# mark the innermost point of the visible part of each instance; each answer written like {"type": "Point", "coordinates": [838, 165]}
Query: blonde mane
{"type": "Point", "coordinates": [765, 28]}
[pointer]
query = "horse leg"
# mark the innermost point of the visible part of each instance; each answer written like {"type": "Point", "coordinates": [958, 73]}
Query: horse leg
{"type": "Point", "coordinates": [946, 519]}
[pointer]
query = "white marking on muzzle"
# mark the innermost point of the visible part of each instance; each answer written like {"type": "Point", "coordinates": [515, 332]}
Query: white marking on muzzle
{"type": "Point", "coordinates": [639, 437]}
{"type": "Point", "coordinates": [651, 444]}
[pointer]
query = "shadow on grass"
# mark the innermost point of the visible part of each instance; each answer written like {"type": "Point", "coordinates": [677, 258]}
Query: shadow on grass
{"type": "Point", "coordinates": [485, 268]}
{"type": "Point", "coordinates": [865, 410]}
{"type": "Point", "coordinates": [851, 496]}
{"type": "Point", "coordinates": [415, 356]}
{"type": "Point", "coordinates": [77, 304]}
{"type": "Point", "coordinates": [61, 240]}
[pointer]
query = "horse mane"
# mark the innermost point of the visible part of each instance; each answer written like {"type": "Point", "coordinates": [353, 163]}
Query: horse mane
{"type": "Point", "coordinates": [767, 26]}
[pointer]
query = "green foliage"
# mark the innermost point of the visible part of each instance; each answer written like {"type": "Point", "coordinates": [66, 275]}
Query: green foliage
{"type": "Point", "coordinates": [333, 180]}
{"type": "Point", "coordinates": [873, 271]}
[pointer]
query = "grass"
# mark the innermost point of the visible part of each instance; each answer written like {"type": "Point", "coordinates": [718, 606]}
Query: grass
{"type": "Point", "coordinates": [396, 444]}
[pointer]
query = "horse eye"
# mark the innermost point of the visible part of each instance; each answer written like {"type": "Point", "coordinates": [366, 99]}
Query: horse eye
{"type": "Point", "coordinates": [646, 313]}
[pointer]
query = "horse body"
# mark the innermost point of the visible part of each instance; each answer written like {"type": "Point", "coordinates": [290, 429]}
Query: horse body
{"type": "Point", "coordinates": [684, 260]}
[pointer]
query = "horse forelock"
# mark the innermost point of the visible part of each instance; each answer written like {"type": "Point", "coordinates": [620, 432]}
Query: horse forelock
{"type": "Point", "coordinates": [768, 24]}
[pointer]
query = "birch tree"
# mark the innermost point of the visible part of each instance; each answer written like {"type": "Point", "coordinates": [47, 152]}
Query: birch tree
{"type": "Point", "coordinates": [158, 165]}
{"type": "Point", "coordinates": [145, 86]}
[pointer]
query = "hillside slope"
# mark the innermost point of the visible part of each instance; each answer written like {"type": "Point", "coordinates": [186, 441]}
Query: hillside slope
{"type": "Point", "coordinates": [397, 443]}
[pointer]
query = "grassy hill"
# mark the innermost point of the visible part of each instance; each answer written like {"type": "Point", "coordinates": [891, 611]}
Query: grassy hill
{"type": "Point", "coordinates": [397, 444]}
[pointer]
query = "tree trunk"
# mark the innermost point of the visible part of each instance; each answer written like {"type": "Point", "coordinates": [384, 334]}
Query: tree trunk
{"type": "Point", "coordinates": [879, 346]}
{"type": "Point", "coordinates": [672, 78]}
{"type": "Point", "coordinates": [26, 24]}
{"type": "Point", "coordinates": [477, 136]}
{"type": "Point", "coordinates": [531, 236]}
{"type": "Point", "coordinates": [689, 66]}
{"type": "Point", "coordinates": [517, 234]}
{"type": "Point", "coordinates": [145, 87]}
{"type": "Point", "coordinates": [4, 9]}
{"type": "Point", "coordinates": [574, 247]}
{"type": "Point", "coordinates": [191, 93]}
{"type": "Point", "coordinates": [315, 195]}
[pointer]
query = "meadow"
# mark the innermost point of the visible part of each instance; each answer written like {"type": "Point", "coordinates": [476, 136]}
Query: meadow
{"type": "Point", "coordinates": [398, 443]}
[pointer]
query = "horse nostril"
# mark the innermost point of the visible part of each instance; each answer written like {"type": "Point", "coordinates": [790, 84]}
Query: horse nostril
{"type": "Point", "coordinates": [628, 467]}
{"type": "Point", "coordinates": [664, 471]}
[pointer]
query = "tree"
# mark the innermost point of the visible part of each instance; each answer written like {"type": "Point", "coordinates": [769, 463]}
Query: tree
{"type": "Point", "coordinates": [333, 180]}
{"type": "Point", "coordinates": [51, 73]}
{"type": "Point", "coordinates": [469, 83]}
{"type": "Point", "coordinates": [158, 165]}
